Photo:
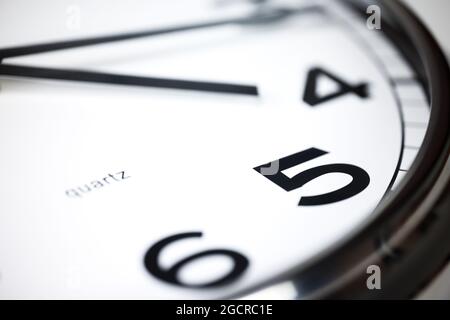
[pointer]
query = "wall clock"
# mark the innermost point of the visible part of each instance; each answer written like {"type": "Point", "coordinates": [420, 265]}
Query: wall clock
{"type": "Point", "coordinates": [221, 149]}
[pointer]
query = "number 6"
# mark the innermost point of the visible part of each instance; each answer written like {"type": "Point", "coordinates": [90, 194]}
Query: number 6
{"type": "Point", "coordinates": [171, 275]}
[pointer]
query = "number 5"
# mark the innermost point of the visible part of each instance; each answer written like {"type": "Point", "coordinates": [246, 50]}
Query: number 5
{"type": "Point", "coordinates": [360, 177]}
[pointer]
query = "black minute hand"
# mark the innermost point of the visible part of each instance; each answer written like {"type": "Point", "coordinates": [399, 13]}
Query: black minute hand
{"type": "Point", "coordinates": [261, 16]}
{"type": "Point", "coordinates": [110, 78]}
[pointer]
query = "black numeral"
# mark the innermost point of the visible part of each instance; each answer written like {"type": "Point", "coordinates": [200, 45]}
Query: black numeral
{"type": "Point", "coordinates": [240, 263]}
{"type": "Point", "coordinates": [310, 96]}
{"type": "Point", "coordinates": [360, 177]}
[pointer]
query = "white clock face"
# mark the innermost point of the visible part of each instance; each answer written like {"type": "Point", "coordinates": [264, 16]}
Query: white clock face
{"type": "Point", "coordinates": [113, 191]}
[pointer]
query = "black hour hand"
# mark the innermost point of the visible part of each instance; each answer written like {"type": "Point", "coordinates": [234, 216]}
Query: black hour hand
{"type": "Point", "coordinates": [117, 79]}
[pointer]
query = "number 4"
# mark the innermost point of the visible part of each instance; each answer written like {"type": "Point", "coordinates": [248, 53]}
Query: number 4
{"type": "Point", "coordinates": [312, 98]}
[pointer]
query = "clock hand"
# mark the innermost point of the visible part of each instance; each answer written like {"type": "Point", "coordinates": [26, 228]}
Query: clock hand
{"type": "Point", "coordinates": [261, 16]}
{"type": "Point", "coordinates": [109, 78]}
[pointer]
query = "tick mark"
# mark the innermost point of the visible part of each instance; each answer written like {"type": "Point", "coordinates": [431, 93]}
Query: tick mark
{"type": "Point", "coordinates": [404, 81]}
{"type": "Point", "coordinates": [416, 124]}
